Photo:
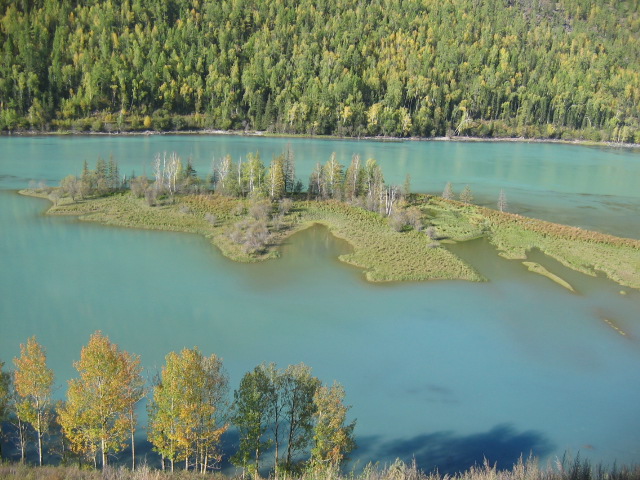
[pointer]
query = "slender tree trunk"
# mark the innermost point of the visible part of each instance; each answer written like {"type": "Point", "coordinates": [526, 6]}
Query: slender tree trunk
{"type": "Point", "coordinates": [257, 460]}
{"type": "Point", "coordinates": [22, 439]}
{"type": "Point", "coordinates": [39, 447]}
{"type": "Point", "coordinates": [133, 452]}
{"type": "Point", "coordinates": [275, 468]}
{"type": "Point", "coordinates": [103, 453]}
{"type": "Point", "coordinates": [172, 465]}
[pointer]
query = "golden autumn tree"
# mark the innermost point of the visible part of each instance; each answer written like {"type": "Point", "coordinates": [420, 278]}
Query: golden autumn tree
{"type": "Point", "coordinates": [186, 411]}
{"type": "Point", "coordinates": [333, 438]}
{"type": "Point", "coordinates": [96, 417]}
{"type": "Point", "coordinates": [33, 382]}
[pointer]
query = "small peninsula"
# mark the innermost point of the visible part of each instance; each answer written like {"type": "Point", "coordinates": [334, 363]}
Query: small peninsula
{"type": "Point", "coordinates": [395, 235]}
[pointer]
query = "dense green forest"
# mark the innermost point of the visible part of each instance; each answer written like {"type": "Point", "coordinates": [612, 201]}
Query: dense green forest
{"type": "Point", "coordinates": [532, 68]}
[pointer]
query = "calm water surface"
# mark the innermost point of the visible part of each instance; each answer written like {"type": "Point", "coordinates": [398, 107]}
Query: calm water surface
{"type": "Point", "coordinates": [446, 372]}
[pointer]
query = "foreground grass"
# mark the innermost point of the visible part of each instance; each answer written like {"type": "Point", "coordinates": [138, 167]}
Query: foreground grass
{"type": "Point", "coordinates": [523, 470]}
{"type": "Point", "coordinates": [384, 254]}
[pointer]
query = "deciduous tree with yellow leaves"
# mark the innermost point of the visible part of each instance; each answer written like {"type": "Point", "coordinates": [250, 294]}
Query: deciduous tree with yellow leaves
{"type": "Point", "coordinates": [96, 417]}
{"type": "Point", "coordinates": [186, 413]}
{"type": "Point", "coordinates": [33, 382]}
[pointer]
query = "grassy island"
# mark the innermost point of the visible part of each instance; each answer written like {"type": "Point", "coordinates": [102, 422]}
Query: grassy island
{"type": "Point", "coordinates": [247, 210]}
{"type": "Point", "coordinates": [384, 253]}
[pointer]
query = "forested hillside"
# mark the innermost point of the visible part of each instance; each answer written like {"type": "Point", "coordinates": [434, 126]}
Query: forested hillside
{"type": "Point", "coordinates": [533, 68]}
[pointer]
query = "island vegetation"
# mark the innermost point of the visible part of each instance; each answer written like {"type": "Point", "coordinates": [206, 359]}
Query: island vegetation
{"type": "Point", "coordinates": [561, 69]}
{"type": "Point", "coordinates": [247, 210]}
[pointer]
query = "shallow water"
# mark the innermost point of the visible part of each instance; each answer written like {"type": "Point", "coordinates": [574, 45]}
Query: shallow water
{"type": "Point", "coordinates": [446, 372]}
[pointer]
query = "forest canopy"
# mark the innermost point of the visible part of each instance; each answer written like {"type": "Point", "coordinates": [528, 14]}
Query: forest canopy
{"type": "Point", "coordinates": [531, 68]}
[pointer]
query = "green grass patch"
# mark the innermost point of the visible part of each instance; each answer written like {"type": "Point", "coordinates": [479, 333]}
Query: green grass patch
{"type": "Point", "coordinates": [514, 235]}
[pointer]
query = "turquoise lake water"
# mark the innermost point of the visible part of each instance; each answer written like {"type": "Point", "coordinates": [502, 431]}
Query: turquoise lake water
{"type": "Point", "coordinates": [446, 372]}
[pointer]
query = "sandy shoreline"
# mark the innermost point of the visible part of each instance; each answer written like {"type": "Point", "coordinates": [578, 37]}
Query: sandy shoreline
{"type": "Point", "coordinates": [258, 133]}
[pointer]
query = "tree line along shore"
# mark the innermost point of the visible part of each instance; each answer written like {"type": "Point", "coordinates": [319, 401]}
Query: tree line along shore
{"type": "Point", "coordinates": [247, 209]}
{"type": "Point", "coordinates": [287, 414]}
{"type": "Point", "coordinates": [566, 69]}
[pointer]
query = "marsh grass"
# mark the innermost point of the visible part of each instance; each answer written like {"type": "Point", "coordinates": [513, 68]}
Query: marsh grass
{"type": "Point", "coordinates": [387, 255]}
{"type": "Point", "coordinates": [514, 235]}
{"type": "Point", "coordinates": [562, 469]}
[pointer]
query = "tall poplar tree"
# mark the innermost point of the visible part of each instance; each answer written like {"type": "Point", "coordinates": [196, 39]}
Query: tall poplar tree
{"type": "Point", "coordinates": [33, 382]}
{"type": "Point", "coordinates": [96, 416]}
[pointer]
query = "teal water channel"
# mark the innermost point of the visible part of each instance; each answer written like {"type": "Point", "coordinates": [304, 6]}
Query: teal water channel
{"type": "Point", "coordinates": [447, 373]}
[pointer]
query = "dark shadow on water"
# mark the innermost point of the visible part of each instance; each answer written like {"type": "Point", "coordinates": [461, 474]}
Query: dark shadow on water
{"type": "Point", "coordinates": [443, 451]}
{"type": "Point", "coordinates": [450, 453]}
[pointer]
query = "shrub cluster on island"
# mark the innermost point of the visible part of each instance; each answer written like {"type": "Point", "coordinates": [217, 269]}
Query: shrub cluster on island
{"type": "Point", "coordinates": [247, 210]}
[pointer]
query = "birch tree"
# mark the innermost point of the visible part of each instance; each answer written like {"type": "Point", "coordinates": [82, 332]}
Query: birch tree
{"type": "Point", "coordinates": [277, 178]}
{"type": "Point", "coordinates": [353, 179]}
{"type": "Point", "coordinates": [332, 436]}
{"type": "Point", "coordinates": [253, 174]}
{"type": "Point", "coordinates": [298, 389]}
{"type": "Point", "coordinates": [96, 416]}
{"type": "Point", "coordinates": [332, 173]}
{"type": "Point", "coordinates": [186, 417]}
{"type": "Point", "coordinates": [374, 181]}
{"type": "Point", "coordinates": [447, 193]}
{"type": "Point", "coordinates": [250, 416]}
{"type": "Point", "coordinates": [502, 201]}
{"type": "Point", "coordinates": [33, 382]}
{"type": "Point", "coordinates": [316, 181]}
